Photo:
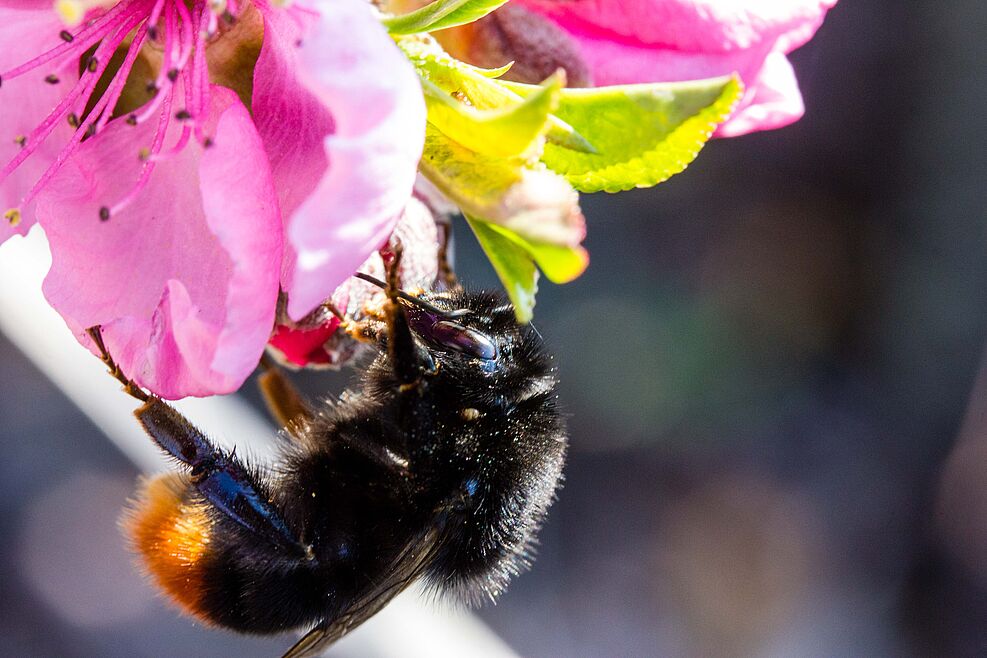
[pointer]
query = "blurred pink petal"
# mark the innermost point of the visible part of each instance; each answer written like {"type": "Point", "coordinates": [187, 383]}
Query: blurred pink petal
{"type": "Point", "coordinates": [773, 100]}
{"type": "Point", "coordinates": [674, 40]}
{"type": "Point", "coordinates": [33, 28]}
{"type": "Point", "coordinates": [343, 120]}
{"type": "Point", "coordinates": [184, 280]}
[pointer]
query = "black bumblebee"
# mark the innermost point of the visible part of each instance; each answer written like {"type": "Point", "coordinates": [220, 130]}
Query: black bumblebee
{"type": "Point", "coordinates": [439, 467]}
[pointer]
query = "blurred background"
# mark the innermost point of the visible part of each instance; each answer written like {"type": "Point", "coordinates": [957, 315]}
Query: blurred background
{"type": "Point", "coordinates": [774, 373]}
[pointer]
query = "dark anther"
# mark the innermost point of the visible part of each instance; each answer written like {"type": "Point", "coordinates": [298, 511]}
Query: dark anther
{"type": "Point", "coordinates": [21, 141]}
{"type": "Point", "coordinates": [132, 120]}
{"type": "Point", "coordinates": [92, 65]}
{"type": "Point", "coordinates": [151, 88]}
{"type": "Point", "coordinates": [66, 36]}
{"type": "Point", "coordinates": [152, 33]}
{"type": "Point", "coordinates": [173, 74]}
{"type": "Point", "coordinates": [73, 119]}
{"type": "Point", "coordinates": [91, 130]}
{"type": "Point", "coordinates": [104, 214]}
{"type": "Point", "coordinates": [207, 143]}
{"type": "Point", "coordinates": [183, 115]}
{"type": "Point", "coordinates": [228, 17]}
{"type": "Point", "coordinates": [52, 79]}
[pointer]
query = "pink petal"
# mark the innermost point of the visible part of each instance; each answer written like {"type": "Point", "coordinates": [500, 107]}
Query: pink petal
{"type": "Point", "coordinates": [184, 280]}
{"type": "Point", "coordinates": [30, 5]}
{"type": "Point", "coordinates": [303, 347]}
{"type": "Point", "coordinates": [674, 40]}
{"type": "Point", "coordinates": [27, 31]}
{"type": "Point", "coordinates": [692, 25]}
{"type": "Point", "coordinates": [774, 100]}
{"type": "Point", "coordinates": [617, 62]}
{"type": "Point", "coordinates": [343, 120]}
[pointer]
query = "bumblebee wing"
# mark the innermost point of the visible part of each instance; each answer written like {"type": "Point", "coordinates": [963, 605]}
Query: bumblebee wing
{"type": "Point", "coordinates": [312, 643]}
{"type": "Point", "coordinates": [404, 570]}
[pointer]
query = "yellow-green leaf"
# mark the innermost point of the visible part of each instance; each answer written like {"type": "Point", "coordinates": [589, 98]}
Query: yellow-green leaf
{"type": "Point", "coordinates": [513, 265]}
{"type": "Point", "coordinates": [534, 202]}
{"type": "Point", "coordinates": [481, 88]}
{"type": "Point", "coordinates": [559, 263]}
{"type": "Point", "coordinates": [510, 132]}
{"type": "Point", "coordinates": [643, 134]}
{"type": "Point", "coordinates": [440, 15]}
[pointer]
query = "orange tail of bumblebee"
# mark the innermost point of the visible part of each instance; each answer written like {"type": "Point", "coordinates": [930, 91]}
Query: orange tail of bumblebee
{"type": "Point", "coordinates": [171, 534]}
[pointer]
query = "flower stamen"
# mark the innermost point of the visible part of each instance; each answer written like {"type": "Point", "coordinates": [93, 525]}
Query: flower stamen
{"type": "Point", "coordinates": [101, 55]}
{"type": "Point", "coordinates": [79, 43]}
{"type": "Point", "coordinates": [88, 106]}
{"type": "Point", "coordinates": [149, 161]}
{"type": "Point", "coordinates": [114, 91]}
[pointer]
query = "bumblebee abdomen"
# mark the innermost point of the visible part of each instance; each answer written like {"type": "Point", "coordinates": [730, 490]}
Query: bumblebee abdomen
{"type": "Point", "coordinates": [172, 535]}
{"type": "Point", "coordinates": [207, 570]}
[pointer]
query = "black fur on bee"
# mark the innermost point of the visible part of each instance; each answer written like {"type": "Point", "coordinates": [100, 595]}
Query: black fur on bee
{"type": "Point", "coordinates": [438, 467]}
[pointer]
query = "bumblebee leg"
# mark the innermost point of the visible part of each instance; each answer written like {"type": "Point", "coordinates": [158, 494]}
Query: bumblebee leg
{"type": "Point", "coordinates": [446, 274]}
{"type": "Point", "coordinates": [409, 360]}
{"type": "Point", "coordinates": [221, 478]}
{"type": "Point", "coordinates": [285, 404]}
{"type": "Point", "coordinates": [132, 389]}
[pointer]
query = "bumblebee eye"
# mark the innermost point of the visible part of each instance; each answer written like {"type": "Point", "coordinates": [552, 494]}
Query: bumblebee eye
{"type": "Point", "coordinates": [453, 336]}
{"type": "Point", "coordinates": [463, 339]}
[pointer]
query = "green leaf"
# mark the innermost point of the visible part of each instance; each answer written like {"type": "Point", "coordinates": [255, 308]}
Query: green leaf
{"type": "Point", "coordinates": [510, 132]}
{"type": "Point", "coordinates": [514, 258]}
{"type": "Point", "coordinates": [440, 15]}
{"type": "Point", "coordinates": [481, 89]}
{"type": "Point", "coordinates": [534, 202]}
{"type": "Point", "coordinates": [643, 134]}
{"type": "Point", "coordinates": [513, 265]}
{"type": "Point", "coordinates": [560, 263]}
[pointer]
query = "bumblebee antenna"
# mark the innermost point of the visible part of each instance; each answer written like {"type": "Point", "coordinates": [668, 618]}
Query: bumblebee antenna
{"type": "Point", "coordinates": [411, 299]}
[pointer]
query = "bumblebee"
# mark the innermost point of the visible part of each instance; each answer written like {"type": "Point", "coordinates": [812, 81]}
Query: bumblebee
{"type": "Point", "coordinates": [439, 466]}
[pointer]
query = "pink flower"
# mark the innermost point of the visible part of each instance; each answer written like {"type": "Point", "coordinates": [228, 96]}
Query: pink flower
{"type": "Point", "coordinates": [189, 159]}
{"type": "Point", "coordinates": [630, 41]}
